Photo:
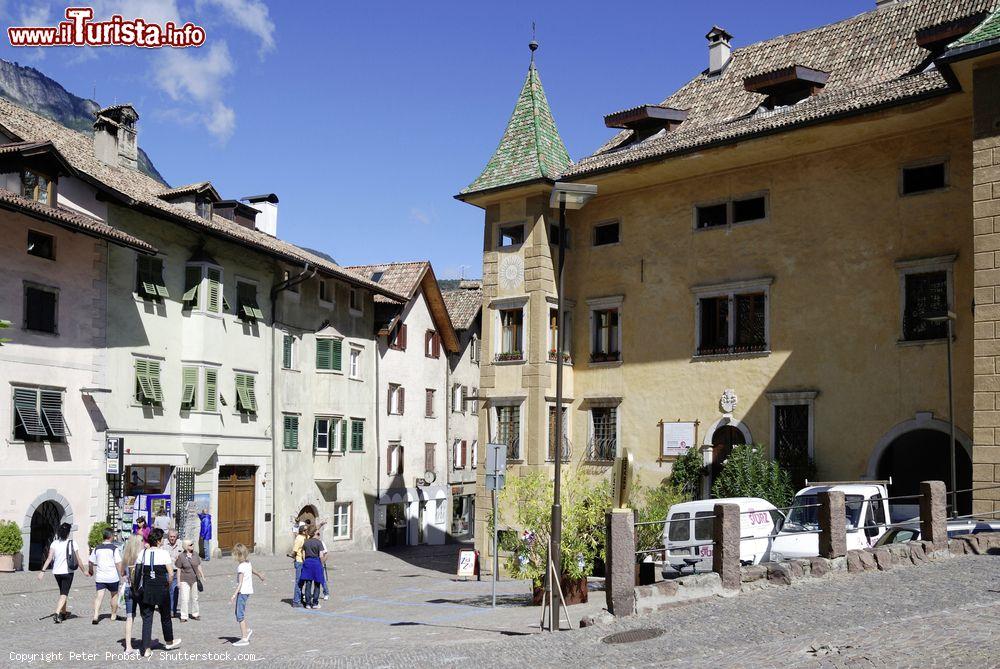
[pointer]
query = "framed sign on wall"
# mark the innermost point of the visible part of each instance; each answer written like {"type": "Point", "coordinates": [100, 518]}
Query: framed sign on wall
{"type": "Point", "coordinates": [676, 437]}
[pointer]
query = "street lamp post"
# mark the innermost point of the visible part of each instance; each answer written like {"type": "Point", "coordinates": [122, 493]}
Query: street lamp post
{"type": "Point", "coordinates": [564, 196]}
{"type": "Point", "coordinates": [949, 317]}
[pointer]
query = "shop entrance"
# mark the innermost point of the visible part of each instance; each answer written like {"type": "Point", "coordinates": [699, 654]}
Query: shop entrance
{"type": "Point", "coordinates": [237, 488]}
{"type": "Point", "coordinates": [463, 516]}
{"type": "Point", "coordinates": [44, 522]}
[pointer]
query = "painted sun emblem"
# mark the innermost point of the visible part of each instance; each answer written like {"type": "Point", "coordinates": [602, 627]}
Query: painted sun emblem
{"type": "Point", "coordinates": [512, 271]}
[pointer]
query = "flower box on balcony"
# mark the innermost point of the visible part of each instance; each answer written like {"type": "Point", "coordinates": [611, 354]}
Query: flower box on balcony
{"type": "Point", "coordinates": [510, 356]}
{"type": "Point", "coordinates": [553, 357]}
{"type": "Point", "coordinates": [605, 357]}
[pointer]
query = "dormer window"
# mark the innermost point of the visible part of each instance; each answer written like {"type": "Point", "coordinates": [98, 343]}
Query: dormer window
{"type": "Point", "coordinates": [646, 120]}
{"type": "Point", "coordinates": [936, 38]}
{"type": "Point", "coordinates": [203, 207]}
{"type": "Point", "coordinates": [38, 187]}
{"type": "Point", "coordinates": [786, 86]}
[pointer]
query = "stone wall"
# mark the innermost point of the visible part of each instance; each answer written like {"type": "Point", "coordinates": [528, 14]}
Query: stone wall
{"type": "Point", "coordinates": [986, 222]}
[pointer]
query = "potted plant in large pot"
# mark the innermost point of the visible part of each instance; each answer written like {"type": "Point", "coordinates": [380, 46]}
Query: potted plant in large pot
{"type": "Point", "coordinates": [11, 544]}
{"type": "Point", "coordinates": [527, 502]}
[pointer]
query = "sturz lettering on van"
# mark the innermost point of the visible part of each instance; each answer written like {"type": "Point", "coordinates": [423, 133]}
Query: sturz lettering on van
{"type": "Point", "coordinates": [690, 527]}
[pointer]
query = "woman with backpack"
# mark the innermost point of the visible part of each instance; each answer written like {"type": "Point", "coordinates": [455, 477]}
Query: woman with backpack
{"type": "Point", "coordinates": [65, 559]}
{"type": "Point", "coordinates": [154, 574]}
{"type": "Point", "coordinates": [130, 554]}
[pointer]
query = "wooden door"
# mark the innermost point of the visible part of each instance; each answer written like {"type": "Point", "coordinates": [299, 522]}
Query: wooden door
{"type": "Point", "coordinates": [237, 485]}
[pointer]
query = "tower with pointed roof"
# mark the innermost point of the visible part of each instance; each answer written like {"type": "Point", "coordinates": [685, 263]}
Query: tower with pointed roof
{"type": "Point", "coordinates": [519, 288]}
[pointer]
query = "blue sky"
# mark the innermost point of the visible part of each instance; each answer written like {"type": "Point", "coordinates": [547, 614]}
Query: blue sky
{"type": "Point", "coordinates": [366, 118]}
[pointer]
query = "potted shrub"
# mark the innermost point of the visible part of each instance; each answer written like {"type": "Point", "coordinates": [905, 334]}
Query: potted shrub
{"type": "Point", "coordinates": [528, 501]}
{"type": "Point", "coordinates": [508, 356]}
{"type": "Point", "coordinates": [11, 544]}
{"type": "Point", "coordinates": [96, 535]}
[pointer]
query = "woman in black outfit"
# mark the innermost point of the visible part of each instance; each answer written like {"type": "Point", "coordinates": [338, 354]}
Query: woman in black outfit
{"type": "Point", "coordinates": [154, 573]}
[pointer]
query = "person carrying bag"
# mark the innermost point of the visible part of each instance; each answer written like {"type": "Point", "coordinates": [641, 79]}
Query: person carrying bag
{"type": "Point", "coordinates": [155, 573]}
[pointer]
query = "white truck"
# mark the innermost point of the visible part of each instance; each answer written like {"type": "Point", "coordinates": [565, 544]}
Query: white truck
{"type": "Point", "coordinates": [866, 507]}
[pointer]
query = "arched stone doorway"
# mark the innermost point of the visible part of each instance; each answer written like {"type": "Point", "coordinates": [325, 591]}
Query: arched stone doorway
{"type": "Point", "coordinates": [722, 437]}
{"type": "Point", "coordinates": [922, 454]}
{"type": "Point", "coordinates": [307, 515]}
{"type": "Point", "coordinates": [44, 521]}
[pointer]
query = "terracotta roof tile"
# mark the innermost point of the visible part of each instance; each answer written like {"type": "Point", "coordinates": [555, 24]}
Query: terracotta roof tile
{"type": "Point", "coordinates": [464, 304]}
{"type": "Point", "coordinates": [873, 60]}
{"type": "Point", "coordinates": [402, 278]}
{"type": "Point", "coordinates": [71, 220]}
{"type": "Point", "coordinates": [141, 191]}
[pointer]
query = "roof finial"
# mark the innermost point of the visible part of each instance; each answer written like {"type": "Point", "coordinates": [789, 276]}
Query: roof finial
{"type": "Point", "coordinates": [533, 45]}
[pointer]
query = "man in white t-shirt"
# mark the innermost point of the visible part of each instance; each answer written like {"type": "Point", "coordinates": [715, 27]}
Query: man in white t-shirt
{"type": "Point", "coordinates": [106, 568]}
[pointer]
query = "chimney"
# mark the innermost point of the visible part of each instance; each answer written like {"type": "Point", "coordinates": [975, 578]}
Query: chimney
{"type": "Point", "coordinates": [267, 205]}
{"type": "Point", "coordinates": [719, 50]}
{"type": "Point", "coordinates": [115, 136]}
{"type": "Point", "coordinates": [237, 212]}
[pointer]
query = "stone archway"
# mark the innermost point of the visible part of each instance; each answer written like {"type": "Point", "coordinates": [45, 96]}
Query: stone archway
{"type": "Point", "coordinates": [47, 510]}
{"type": "Point", "coordinates": [917, 450]}
{"type": "Point", "coordinates": [718, 444]}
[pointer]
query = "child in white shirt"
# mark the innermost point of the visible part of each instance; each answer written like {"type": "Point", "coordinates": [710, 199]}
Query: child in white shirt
{"type": "Point", "coordinates": [244, 588]}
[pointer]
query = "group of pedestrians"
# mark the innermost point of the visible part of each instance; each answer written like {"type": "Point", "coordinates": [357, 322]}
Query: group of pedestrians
{"type": "Point", "coordinates": [155, 572]}
{"type": "Point", "coordinates": [309, 556]}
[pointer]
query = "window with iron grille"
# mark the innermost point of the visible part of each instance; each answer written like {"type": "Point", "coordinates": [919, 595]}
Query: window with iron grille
{"type": "Point", "coordinates": [732, 323]}
{"type": "Point", "coordinates": [604, 436]}
{"type": "Point", "coordinates": [926, 294]}
{"type": "Point", "coordinates": [551, 455]}
{"type": "Point", "coordinates": [38, 415]}
{"type": "Point", "coordinates": [791, 432]}
{"type": "Point", "coordinates": [509, 430]}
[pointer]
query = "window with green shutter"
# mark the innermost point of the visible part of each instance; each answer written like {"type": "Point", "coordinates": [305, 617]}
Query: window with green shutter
{"type": "Point", "coordinates": [336, 352]}
{"type": "Point", "coordinates": [290, 440]}
{"type": "Point", "coordinates": [357, 435]}
{"type": "Point", "coordinates": [189, 387]}
{"type": "Point", "coordinates": [286, 351]}
{"type": "Point", "coordinates": [192, 285]}
{"type": "Point", "coordinates": [149, 278]}
{"type": "Point", "coordinates": [147, 382]}
{"type": "Point", "coordinates": [214, 275]}
{"type": "Point", "coordinates": [211, 390]}
{"type": "Point", "coordinates": [246, 398]}
{"type": "Point", "coordinates": [246, 302]}
{"type": "Point", "coordinates": [27, 417]}
{"type": "Point", "coordinates": [343, 435]}
{"type": "Point", "coordinates": [324, 354]}
{"type": "Point", "coordinates": [51, 403]}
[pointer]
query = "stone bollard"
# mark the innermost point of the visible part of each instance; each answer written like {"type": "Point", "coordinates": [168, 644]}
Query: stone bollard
{"type": "Point", "coordinates": [934, 513]}
{"type": "Point", "coordinates": [619, 573]}
{"type": "Point", "coordinates": [726, 552]}
{"type": "Point", "coordinates": [832, 525]}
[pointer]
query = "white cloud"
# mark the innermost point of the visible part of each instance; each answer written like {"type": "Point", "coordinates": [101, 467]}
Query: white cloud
{"type": "Point", "coordinates": [151, 11]}
{"type": "Point", "coordinates": [34, 15]}
{"type": "Point", "coordinates": [250, 15]}
{"type": "Point", "coordinates": [197, 76]}
{"type": "Point", "coordinates": [418, 215]}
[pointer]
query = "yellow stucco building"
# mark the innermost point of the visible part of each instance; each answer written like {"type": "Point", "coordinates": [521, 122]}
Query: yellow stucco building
{"type": "Point", "coordinates": [761, 260]}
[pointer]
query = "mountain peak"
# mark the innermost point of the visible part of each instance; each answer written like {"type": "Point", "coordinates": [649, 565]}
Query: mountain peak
{"type": "Point", "coordinates": [32, 89]}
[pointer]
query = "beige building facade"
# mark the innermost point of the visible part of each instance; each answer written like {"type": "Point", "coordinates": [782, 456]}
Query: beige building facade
{"type": "Point", "coordinates": [760, 262]}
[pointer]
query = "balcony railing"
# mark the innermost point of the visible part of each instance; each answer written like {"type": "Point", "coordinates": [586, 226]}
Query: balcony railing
{"type": "Point", "coordinates": [601, 356]}
{"type": "Point", "coordinates": [732, 350]}
{"type": "Point", "coordinates": [509, 356]}
{"type": "Point", "coordinates": [602, 449]}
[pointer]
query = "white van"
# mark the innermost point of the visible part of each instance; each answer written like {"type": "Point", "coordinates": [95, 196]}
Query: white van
{"type": "Point", "coordinates": [866, 507]}
{"type": "Point", "coordinates": [688, 532]}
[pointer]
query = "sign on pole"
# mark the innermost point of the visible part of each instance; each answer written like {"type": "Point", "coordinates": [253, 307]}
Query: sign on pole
{"type": "Point", "coordinates": [112, 453]}
{"type": "Point", "coordinates": [496, 458]}
{"type": "Point", "coordinates": [496, 471]}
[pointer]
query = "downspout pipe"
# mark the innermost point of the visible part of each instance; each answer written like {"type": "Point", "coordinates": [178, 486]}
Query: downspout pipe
{"type": "Point", "coordinates": [307, 273]}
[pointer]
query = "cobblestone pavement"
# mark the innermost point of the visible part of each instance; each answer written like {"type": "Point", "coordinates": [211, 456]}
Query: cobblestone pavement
{"type": "Point", "coordinates": [396, 611]}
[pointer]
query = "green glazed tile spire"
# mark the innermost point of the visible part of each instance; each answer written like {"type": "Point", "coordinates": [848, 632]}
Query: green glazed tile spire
{"type": "Point", "coordinates": [988, 30]}
{"type": "Point", "coordinates": [531, 147]}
